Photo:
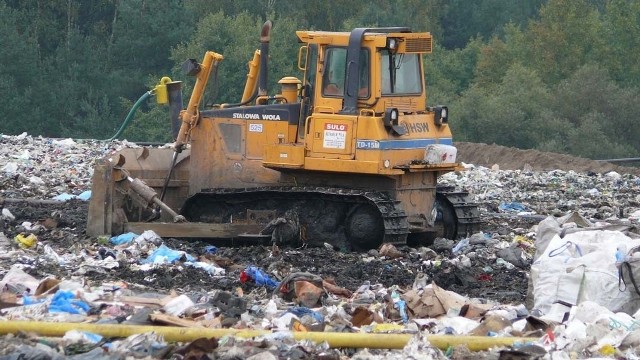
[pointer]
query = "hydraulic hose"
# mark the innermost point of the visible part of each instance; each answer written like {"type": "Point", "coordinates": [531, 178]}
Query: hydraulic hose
{"type": "Point", "coordinates": [129, 117]}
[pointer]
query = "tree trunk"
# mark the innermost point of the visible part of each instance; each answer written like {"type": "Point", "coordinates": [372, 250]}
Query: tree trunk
{"type": "Point", "coordinates": [69, 2]}
{"type": "Point", "coordinates": [113, 29]}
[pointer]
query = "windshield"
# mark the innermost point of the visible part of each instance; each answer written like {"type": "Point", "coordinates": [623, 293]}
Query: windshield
{"type": "Point", "coordinates": [400, 74]}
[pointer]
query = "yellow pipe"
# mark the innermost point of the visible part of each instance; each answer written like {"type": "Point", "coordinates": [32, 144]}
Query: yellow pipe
{"type": "Point", "coordinates": [335, 340]}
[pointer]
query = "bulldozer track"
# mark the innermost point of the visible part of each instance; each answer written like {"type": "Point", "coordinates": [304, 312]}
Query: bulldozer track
{"type": "Point", "coordinates": [396, 226]}
{"type": "Point", "coordinates": [467, 211]}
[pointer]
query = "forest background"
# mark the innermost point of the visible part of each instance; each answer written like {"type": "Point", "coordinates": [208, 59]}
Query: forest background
{"type": "Point", "coordinates": [555, 75]}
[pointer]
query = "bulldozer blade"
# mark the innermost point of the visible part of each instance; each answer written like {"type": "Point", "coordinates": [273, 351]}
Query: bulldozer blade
{"type": "Point", "coordinates": [194, 230]}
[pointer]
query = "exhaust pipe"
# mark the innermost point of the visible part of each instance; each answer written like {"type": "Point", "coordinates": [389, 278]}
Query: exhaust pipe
{"type": "Point", "coordinates": [265, 36]}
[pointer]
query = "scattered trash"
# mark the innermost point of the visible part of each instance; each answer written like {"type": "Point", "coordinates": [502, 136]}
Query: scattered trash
{"type": "Point", "coordinates": [471, 286]}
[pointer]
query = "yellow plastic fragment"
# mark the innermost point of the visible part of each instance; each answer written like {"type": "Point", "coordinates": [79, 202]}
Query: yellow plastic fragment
{"type": "Point", "coordinates": [607, 350]}
{"type": "Point", "coordinates": [26, 242]}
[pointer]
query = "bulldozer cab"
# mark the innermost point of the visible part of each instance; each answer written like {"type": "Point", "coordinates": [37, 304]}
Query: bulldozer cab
{"type": "Point", "coordinates": [362, 90]}
{"type": "Point", "coordinates": [366, 70]}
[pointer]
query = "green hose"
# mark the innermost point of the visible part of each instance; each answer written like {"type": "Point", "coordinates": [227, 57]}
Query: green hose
{"type": "Point", "coordinates": [129, 117]}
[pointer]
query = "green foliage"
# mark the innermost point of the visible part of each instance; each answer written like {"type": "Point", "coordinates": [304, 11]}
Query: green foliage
{"type": "Point", "coordinates": [507, 114]}
{"type": "Point", "coordinates": [463, 20]}
{"type": "Point", "coordinates": [154, 125]}
{"type": "Point", "coordinates": [236, 37]}
{"type": "Point", "coordinates": [450, 72]}
{"type": "Point", "coordinates": [20, 83]}
{"type": "Point", "coordinates": [568, 35]}
{"type": "Point", "coordinates": [621, 35]}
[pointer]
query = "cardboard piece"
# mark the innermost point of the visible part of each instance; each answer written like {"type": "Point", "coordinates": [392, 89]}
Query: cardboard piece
{"type": "Point", "coordinates": [494, 323]}
{"type": "Point", "coordinates": [336, 290]}
{"type": "Point", "coordinates": [47, 286]}
{"type": "Point", "coordinates": [474, 311]}
{"type": "Point", "coordinates": [363, 316]}
{"type": "Point", "coordinates": [8, 300]}
{"type": "Point", "coordinates": [307, 293]}
{"type": "Point", "coordinates": [145, 301]}
{"type": "Point", "coordinates": [173, 320]}
{"type": "Point", "coordinates": [424, 304]}
{"type": "Point", "coordinates": [449, 299]}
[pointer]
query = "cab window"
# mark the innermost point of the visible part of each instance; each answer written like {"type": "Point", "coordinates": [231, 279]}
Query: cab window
{"type": "Point", "coordinates": [334, 75]}
{"type": "Point", "coordinates": [400, 73]}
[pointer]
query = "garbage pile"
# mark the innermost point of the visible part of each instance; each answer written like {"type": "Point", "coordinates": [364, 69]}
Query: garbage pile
{"type": "Point", "coordinates": [551, 275]}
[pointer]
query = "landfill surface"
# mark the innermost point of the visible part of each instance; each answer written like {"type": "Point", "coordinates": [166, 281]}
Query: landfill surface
{"type": "Point", "coordinates": [51, 271]}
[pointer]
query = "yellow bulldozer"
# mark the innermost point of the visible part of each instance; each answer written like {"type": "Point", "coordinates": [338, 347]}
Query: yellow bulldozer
{"type": "Point", "coordinates": [349, 155]}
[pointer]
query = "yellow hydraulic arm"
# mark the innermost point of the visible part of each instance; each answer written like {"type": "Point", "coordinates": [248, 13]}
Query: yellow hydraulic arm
{"type": "Point", "coordinates": [190, 116]}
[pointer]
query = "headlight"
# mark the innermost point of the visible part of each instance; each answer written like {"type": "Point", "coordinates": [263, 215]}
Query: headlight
{"type": "Point", "coordinates": [390, 120]}
{"type": "Point", "coordinates": [392, 44]}
{"type": "Point", "coordinates": [441, 115]}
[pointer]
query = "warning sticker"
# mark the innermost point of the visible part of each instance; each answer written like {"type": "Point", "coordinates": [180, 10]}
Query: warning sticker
{"type": "Point", "coordinates": [335, 136]}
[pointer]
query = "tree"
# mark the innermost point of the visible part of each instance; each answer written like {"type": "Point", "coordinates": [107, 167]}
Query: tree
{"type": "Point", "coordinates": [450, 72]}
{"type": "Point", "coordinates": [567, 36]}
{"type": "Point", "coordinates": [20, 74]}
{"type": "Point", "coordinates": [508, 114]}
{"type": "Point", "coordinates": [621, 34]}
{"type": "Point", "coordinates": [590, 95]}
{"type": "Point", "coordinates": [463, 20]}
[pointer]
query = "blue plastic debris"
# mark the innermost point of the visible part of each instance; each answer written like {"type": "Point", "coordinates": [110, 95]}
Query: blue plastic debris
{"type": "Point", "coordinates": [513, 206]}
{"type": "Point", "coordinates": [65, 301]}
{"type": "Point", "coordinates": [210, 249]}
{"type": "Point", "coordinates": [63, 197]}
{"type": "Point", "coordinates": [163, 254]}
{"type": "Point", "coordinates": [84, 196]}
{"type": "Point", "coordinates": [123, 238]}
{"type": "Point", "coordinates": [259, 277]}
{"type": "Point", "coordinates": [401, 306]}
{"type": "Point", "coordinates": [301, 311]}
{"type": "Point", "coordinates": [30, 300]}
{"type": "Point", "coordinates": [460, 245]}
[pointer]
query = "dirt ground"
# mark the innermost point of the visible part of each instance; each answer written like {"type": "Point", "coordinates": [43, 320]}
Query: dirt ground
{"type": "Point", "coordinates": [349, 270]}
{"type": "Point", "coordinates": [509, 158]}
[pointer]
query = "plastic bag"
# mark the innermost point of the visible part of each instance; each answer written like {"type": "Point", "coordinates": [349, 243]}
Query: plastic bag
{"type": "Point", "coordinates": [258, 276]}
{"type": "Point", "coordinates": [582, 267]}
{"type": "Point", "coordinates": [26, 242]}
{"type": "Point", "coordinates": [64, 301]}
{"type": "Point", "coordinates": [163, 254]}
{"type": "Point", "coordinates": [123, 238]}
{"type": "Point", "coordinates": [301, 311]}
